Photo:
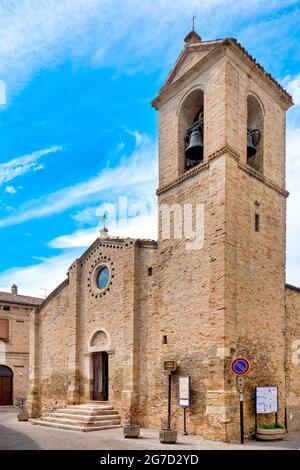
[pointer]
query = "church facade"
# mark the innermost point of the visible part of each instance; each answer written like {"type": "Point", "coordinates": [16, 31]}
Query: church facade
{"type": "Point", "coordinates": [128, 305]}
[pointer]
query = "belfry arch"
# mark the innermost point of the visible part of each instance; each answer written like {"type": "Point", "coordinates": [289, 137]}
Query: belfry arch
{"type": "Point", "coordinates": [191, 130]}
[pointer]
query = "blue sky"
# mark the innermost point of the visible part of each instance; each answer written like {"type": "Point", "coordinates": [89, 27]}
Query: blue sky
{"type": "Point", "coordinates": [77, 130]}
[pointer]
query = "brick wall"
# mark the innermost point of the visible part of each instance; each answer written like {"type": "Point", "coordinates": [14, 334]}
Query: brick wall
{"type": "Point", "coordinates": [14, 352]}
{"type": "Point", "coordinates": [293, 358]}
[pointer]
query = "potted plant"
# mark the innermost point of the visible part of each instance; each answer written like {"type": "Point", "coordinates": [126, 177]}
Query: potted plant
{"type": "Point", "coordinates": [131, 428]}
{"type": "Point", "coordinates": [270, 432]}
{"type": "Point", "coordinates": [167, 435]}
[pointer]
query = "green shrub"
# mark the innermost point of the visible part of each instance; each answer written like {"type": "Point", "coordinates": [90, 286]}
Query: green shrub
{"type": "Point", "coordinates": [272, 426]}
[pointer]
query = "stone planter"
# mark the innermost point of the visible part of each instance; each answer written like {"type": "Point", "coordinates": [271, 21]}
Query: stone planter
{"type": "Point", "coordinates": [131, 430]}
{"type": "Point", "coordinates": [270, 434]}
{"type": "Point", "coordinates": [168, 436]}
{"type": "Point", "coordinates": [23, 416]}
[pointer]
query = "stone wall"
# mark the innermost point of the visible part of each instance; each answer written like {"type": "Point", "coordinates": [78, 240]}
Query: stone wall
{"type": "Point", "coordinates": [52, 349]}
{"type": "Point", "coordinates": [293, 358]}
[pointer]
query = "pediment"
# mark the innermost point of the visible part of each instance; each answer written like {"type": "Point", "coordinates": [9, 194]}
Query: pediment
{"type": "Point", "coordinates": [191, 55]}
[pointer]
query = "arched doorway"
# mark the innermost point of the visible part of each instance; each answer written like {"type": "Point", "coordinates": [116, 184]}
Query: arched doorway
{"type": "Point", "coordinates": [6, 386]}
{"type": "Point", "coordinates": [100, 376]}
{"type": "Point", "coordinates": [98, 352]}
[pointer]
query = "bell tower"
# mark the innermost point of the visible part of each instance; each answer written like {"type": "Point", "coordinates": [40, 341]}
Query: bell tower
{"type": "Point", "coordinates": [222, 155]}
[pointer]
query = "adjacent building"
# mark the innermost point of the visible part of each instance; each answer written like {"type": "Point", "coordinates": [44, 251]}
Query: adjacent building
{"type": "Point", "coordinates": [14, 345]}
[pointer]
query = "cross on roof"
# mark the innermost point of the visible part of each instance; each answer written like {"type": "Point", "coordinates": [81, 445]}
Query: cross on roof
{"type": "Point", "coordinates": [193, 21]}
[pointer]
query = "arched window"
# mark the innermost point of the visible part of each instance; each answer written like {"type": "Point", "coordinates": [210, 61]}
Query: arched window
{"type": "Point", "coordinates": [191, 134]}
{"type": "Point", "coordinates": [255, 125]}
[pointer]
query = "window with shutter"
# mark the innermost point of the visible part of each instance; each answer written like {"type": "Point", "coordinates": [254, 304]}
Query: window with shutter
{"type": "Point", "coordinates": [4, 329]}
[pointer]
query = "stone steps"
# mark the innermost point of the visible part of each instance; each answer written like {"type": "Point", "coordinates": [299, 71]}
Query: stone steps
{"type": "Point", "coordinates": [70, 427]}
{"type": "Point", "coordinates": [86, 417]}
{"type": "Point", "coordinates": [86, 412]}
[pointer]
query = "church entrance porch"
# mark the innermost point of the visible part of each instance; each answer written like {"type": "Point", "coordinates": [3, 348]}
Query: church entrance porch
{"type": "Point", "coordinates": [100, 376]}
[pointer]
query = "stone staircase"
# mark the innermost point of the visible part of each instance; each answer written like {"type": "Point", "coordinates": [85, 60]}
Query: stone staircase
{"type": "Point", "coordinates": [86, 417]}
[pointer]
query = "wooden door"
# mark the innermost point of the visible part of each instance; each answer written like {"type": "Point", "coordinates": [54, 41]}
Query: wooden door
{"type": "Point", "coordinates": [5, 391]}
{"type": "Point", "coordinates": [100, 376]}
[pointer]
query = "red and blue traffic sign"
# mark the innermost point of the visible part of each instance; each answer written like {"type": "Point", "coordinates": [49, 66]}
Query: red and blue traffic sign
{"type": "Point", "coordinates": [240, 366]}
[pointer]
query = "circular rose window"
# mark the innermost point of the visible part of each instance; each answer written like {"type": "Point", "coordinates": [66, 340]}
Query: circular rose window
{"type": "Point", "coordinates": [103, 277]}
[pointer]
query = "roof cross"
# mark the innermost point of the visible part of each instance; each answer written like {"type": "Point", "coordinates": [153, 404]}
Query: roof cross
{"type": "Point", "coordinates": [193, 21]}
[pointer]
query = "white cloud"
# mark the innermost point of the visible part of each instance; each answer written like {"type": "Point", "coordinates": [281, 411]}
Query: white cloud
{"type": "Point", "coordinates": [144, 226]}
{"type": "Point", "coordinates": [46, 274]}
{"type": "Point", "coordinates": [292, 85]}
{"type": "Point", "coordinates": [136, 174]}
{"type": "Point", "coordinates": [2, 93]}
{"type": "Point", "coordinates": [293, 219]}
{"type": "Point", "coordinates": [10, 190]}
{"type": "Point", "coordinates": [21, 165]}
{"type": "Point", "coordinates": [108, 32]}
{"type": "Point", "coordinates": [49, 272]}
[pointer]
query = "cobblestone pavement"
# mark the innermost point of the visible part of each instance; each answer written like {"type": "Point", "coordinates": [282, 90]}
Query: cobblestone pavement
{"type": "Point", "coordinates": [16, 435]}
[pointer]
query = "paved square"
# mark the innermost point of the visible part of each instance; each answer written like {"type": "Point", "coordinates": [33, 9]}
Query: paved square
{"type": "Point", "coordinates": [25, 436]}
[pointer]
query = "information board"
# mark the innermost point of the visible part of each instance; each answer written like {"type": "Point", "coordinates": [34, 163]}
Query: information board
{"type": "Point", "coordinates": [266, 400]}
{"type": "Point", "coordinates": [184, 391]}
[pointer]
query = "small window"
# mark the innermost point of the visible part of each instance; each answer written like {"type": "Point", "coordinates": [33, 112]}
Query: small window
{"type": "Point", "coordinates": [149, 271]}
{"type": "Point", "coordinates": [165, 339]}
{"type": "Point", "coordinates": [4, 329]}
{"type": "Point", "coordinates": [257, 222]}
{"type": "Point", "coordinates": [6, 308]}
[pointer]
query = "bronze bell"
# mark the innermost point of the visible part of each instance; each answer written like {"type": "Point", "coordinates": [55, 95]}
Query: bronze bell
{"type": "Point", "coordinates": [194, 150]}
{"type": "Point", "coordinates": [251, 149]}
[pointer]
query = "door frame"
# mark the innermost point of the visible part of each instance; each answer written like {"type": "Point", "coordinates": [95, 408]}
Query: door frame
{"type": "Point", "coordinates": [105, 375]}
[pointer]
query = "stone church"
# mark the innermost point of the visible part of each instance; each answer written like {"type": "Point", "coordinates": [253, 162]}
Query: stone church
{"type": "Point", "coordinates": [128, 305]}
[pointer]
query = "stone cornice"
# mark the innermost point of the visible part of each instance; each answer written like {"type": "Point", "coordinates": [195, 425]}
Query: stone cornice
{"type": "Point", "coordinates": [260, 177]}
{"type": "Point", "coordinates": [204, 166]}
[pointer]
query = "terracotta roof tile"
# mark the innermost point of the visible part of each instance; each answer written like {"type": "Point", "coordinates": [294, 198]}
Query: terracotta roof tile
{"type": "Point", "coordinates": [8, 297]}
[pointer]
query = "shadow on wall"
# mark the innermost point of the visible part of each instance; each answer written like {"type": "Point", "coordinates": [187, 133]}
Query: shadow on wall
{"type": "Point", "coordinates": [13, 440]}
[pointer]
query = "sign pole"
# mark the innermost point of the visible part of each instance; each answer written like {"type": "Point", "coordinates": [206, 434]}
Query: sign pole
{"type": "Point", "coordinates": [184, 422]}
{"type": "Point", "coordinates": [170, 366]}
{"type": "Point", "coordinates": [242, 416]}
{"type": "Point", "coordinates": [184, 386]}
{"type": "Point", "coordinates": [169, 402]}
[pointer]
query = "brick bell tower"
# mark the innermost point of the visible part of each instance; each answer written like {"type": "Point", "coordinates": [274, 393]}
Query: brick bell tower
{"type": "Point", "coordinates": [222, 147]}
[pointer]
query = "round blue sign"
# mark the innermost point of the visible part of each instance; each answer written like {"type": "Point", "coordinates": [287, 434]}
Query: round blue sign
{"type": "Point", "coordinates": [240, 366]}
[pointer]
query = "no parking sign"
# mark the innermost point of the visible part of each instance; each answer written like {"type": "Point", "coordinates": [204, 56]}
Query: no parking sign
{"type": "Point", "coordinates": [240, 366]}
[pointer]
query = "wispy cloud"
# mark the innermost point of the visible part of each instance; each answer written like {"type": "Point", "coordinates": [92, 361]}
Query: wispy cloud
{"type": "Point", "coordinates": [10, 190]}
{"type": "Point", "coordinates": [143, 226]}
{"type": "Point", "coordinates": [293, 219]}
{"type": "Point", "coordinates": [292, 85]}
{"type": "Point", "coordinates": [59, 28]}
{"type": "Point", "coordinates": [47, 273]}
{"type": "Point", "coordinates": [21, 165]}
{"type": "Point", "coordinates": [136, 173]}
